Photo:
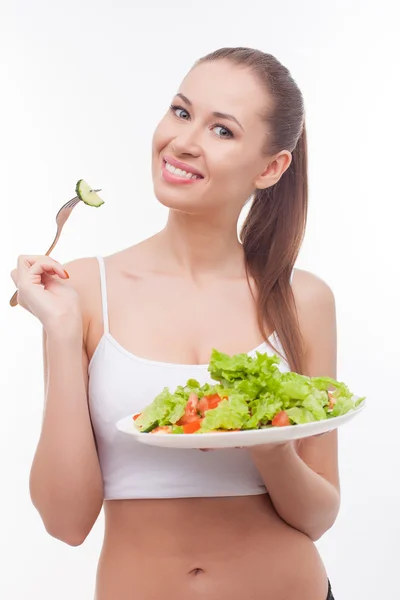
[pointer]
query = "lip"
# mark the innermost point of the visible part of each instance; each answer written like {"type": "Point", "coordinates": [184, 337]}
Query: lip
{"type": "Point", "coordinates": [181, 165]}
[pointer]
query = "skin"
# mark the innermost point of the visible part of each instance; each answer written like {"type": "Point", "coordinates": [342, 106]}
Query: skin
{"type": "Point", "coordinates": [256, 547]}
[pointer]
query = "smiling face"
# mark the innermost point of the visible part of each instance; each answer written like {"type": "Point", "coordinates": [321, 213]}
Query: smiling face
{"type": "Point", "coordinates": [208, 150]}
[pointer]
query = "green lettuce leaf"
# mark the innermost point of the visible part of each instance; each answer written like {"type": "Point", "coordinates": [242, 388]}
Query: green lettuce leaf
{"type": "Point", "coordinates": [299, 415]}
{"type": "Point", "coordinates": [343, 405]}
{"type": "Point", "coordinates": [263, 410]}
{"type": "Point", "coordinates": [295, 386]}
{"type": "Point", "coordinates": [315, 403]}
{"type": "Point", "coordinates": [229, 414]}
{"type": "Point", "coordinates": [166, 409]}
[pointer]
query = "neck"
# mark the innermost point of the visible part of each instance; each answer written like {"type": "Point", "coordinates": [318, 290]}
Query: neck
{"type": "Point", "coordinates": [200, 245]}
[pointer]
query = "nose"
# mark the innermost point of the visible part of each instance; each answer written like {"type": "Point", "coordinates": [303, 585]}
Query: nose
{"type": "Point", "coordinates": [187, 143]}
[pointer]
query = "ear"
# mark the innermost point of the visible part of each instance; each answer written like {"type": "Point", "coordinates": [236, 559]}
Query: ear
{"type": "Point", "coordinates": [274, 171]}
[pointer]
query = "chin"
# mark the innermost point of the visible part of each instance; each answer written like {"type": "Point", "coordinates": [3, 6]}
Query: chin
{"type": "Point", "coordinates": [184, 202]}
{"type": "Point", "coordinates": [184, 198]}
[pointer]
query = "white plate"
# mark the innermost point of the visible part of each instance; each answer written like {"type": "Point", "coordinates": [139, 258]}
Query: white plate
{"type": "Point", "coordinates": [236, 438]}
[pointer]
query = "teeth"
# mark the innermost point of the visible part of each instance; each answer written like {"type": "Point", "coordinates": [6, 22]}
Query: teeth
{"type": "Point", "coordinates": [180, 172]}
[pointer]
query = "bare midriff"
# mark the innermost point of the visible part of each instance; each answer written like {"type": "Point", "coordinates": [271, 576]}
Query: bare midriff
{"type": "Point", "coordinates": [205, 549]}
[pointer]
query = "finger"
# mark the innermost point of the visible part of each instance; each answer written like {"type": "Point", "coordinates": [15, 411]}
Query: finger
{"type": "Point", "coordinates": [33, 263]}
{"type": "Point", "coordinates": [39, 268]}
{"type": "Point", "coordinates": [49, 279]}
{"type": "Point", "coordinates": [30, 270]}
{"type": "Point", "coordinates": [14, 272]}
{"type": "Point", "coordinates": [30, 280]}
{"type": "Point", "coordinates": [27, 260]}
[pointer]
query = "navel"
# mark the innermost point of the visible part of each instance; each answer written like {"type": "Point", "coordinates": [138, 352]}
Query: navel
{"type": "Point", "coordinates": [196, 571]}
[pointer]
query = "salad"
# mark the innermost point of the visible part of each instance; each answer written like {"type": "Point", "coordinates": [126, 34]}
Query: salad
{"type": "Point", "coordinates": [248, 393]}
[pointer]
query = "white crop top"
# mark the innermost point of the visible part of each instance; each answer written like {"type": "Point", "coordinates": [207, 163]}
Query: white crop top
{"type": "Point", "coordinates": [121, 383]}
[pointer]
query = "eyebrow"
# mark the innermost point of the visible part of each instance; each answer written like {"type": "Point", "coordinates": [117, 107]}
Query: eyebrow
{"type": "Point", "coordinates": [219, 115]}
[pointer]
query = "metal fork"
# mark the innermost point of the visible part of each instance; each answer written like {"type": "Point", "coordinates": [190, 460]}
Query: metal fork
{"type": "Point", "coordinates": [61, 218]}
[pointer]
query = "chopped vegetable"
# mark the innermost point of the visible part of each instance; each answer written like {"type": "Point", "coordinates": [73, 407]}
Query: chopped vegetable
{"type": "Point", "coordinates": [192, 427]}
{"type": "Point", "coordinates": [248, 393]}
{"type": "Point", "coordinates": [86, 193]}
{"type": "Point", "coordinates": [281, 419]}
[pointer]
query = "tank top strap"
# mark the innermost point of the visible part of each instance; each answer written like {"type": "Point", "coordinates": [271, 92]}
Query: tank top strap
{"type": "Point", "coordinates": [291, 276]}
{"type": "Point", "coordinates": [104, 299]}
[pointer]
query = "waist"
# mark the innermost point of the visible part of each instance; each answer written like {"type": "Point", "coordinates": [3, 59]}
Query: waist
{"type": "Point", "coordinates": [206, 548]}
{"type": "Point", "coordinates": [180, 519]}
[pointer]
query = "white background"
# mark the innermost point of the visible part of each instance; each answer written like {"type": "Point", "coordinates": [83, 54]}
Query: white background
{"type": "Point", "coordinates": [83, 84]}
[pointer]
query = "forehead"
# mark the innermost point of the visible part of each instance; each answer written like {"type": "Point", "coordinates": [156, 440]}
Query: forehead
{"type": "Point", "coordinates": [225, 87]}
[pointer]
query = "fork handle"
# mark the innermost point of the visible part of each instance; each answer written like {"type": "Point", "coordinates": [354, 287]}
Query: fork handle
{"type": "Point", "coordinates": [13, 301]}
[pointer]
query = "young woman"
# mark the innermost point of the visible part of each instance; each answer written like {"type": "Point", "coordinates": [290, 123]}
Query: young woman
{"type": "Point", "coordinates": [184, 524]}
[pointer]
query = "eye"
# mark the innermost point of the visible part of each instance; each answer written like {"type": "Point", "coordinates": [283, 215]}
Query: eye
{"type": "Point", "coordinates": [224, 132]}
{"type": "Point", "coordinates": [180, 112]}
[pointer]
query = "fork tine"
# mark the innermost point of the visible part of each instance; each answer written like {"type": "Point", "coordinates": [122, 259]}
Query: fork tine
{"type": "Point", "coordinates": [72, 202]}
{"type": "Point", "coordinates": [69, 204]}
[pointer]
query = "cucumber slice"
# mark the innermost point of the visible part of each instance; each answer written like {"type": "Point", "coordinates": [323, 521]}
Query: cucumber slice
{"type": "Point", "coordinates": [85, 192]}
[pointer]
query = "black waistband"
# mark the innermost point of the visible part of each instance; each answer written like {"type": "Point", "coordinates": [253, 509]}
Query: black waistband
{"type": "Point", "coordinates": [330, 595]}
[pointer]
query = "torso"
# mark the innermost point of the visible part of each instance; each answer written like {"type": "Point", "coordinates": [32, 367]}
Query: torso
{"type": "Point", "coordinates": [227, 548]}
{"type": "Point", "coordinates": [206, 549]}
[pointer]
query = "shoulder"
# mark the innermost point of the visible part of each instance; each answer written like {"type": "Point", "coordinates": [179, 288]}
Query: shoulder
{"type": "Point", "coordinates": [84, 273]}
{"type": "Point", "coordinates": [84, 277]}
{"type": "Point", "coordinates": [311, 292]}
{"type": "Point", "coordinates": [81, 269]}
{"type": "Point", "coordinates": [316, 311]}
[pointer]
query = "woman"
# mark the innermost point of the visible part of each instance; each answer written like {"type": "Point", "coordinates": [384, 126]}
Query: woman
{"type": "Point", "coordinates": [188, 525]}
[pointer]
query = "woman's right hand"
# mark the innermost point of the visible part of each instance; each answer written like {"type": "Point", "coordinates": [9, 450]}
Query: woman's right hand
{"type": "Point", "coordinates": [42, 290]}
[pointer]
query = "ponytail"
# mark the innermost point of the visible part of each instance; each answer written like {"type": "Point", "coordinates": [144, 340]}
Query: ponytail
{"type": "Point", "coordinates": [274, 229]}
{"type": "Point", "coordinates": [272, 235]}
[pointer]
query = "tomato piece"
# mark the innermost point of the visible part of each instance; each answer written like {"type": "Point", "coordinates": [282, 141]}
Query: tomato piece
{"type": "Point", "coordinates": [214, 400]}
{"type": "Point", "coordinates": [165, 429]}
{"type": "Point", "coordinates": [209, 402]}
{"type": "Point", "coordinates": [191, 410]}
{"type": "Point", "coordinates": [136, 416]}
{"type": "Point", "coordinates": [193, 426]}
{"type": "Point", "coordinates": [203, 405]}
{"type": "Point", "coordinates": [281, 419]}
{"type": "Point", "coordinates": [332, 400]}
{"type": "Point", "coordinates": [192, 403]}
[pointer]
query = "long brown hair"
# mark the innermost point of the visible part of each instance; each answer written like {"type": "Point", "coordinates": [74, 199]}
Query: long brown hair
{"type": "Point", "coordinates": [274, 229]}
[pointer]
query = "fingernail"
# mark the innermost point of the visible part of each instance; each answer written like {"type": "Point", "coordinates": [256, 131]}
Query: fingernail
{"type": "Point", "coordinates": [66, 274]}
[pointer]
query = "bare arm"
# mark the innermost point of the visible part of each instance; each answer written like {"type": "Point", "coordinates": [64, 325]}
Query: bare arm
{"type": "Point", "coordinates": [65, 482]}
{"type": "Point", "coordinates": [302, 479]}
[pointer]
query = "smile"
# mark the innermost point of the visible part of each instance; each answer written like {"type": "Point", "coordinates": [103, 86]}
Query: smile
{"type": "Point", "coordinates": [175, 174]}
{"type": "Point", "coordinates": [180, 172]}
